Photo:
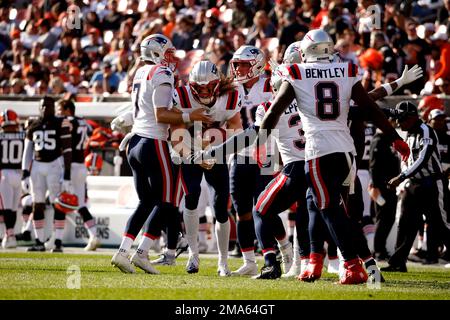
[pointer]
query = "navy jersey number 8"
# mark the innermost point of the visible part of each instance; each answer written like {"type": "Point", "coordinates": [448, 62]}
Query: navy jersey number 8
{"type": "Point", "coordinates": [327, 100]}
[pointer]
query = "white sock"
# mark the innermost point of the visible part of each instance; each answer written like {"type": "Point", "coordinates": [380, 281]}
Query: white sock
{"type": "Point", "coordinates": [223, 237]}
{"type": "Point", "coordinates": [29, 225]}
{"type": "Point", "coordinates": [2, 230]}
{"type": "Point", "coordinates": [202, 236]}
{"type": "Point", "coordinates": [59, 234]}
{"type": "Point", "coordinates": [39, 234]}
{"type": "Point", "coordinates": [249, 256]}
{"type": "Point", "coordinates": [283, 242]}
{"type": "Point", "coordinates": [39, 229]}
{"type": "Point", "coordinates": [296, 248]}
{"type": "Point", "coordinates": [191, 224]}
{"type": "Point", "coordinates": [171, 252]}
{"type": "Point", "coordinates": [126, 244]}
{"type": "Point", "coordinates": [144, 246]}
{"type": "Point", "coordinates": [91, 228]}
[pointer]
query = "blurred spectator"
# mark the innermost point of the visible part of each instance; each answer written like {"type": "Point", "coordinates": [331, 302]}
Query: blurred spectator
{"type": "Point", "coordinates": [74, 80]}
{"type": "Point", "coordinates": [379, 41]}
{"type": "Point", "coordinates": [31, 84]}
{"type": "Point", "coordinates": [417, 51]}
{"type": "Point", "coordinates": [443, 85]}
{"type": "Point", "coordinates": [262, 28]}
{"type": "Point", "coordinates": [209, 30]}
{"type": "Point", "coordinates": [78, 56]}
{"type": "Point", "coordinates": [93, 41]}
{"type": "Point", "coordinates": [342, 48]}
{"type": "Point", "coordinates": [107, 77]}
{"type": "Point", "coordinates": [17, 86]}
{"type": "Point", "coordinates": [291, 31]}
{"type": "Point", "coordinates": [42, 88]}
{"type": "Point", "coordinates": [170, 16]}
{"type": "Point", "coordinates": [241, 16]}
{"type": "Point", "coordinates": [437, 120]}
{"type": "Point", "coordinates": [5, 88]}
{"type": "Point", "coordinates": [190, 8]}
{"type": "Point", "coordinates": [133, 12]}
{"type": "Point", "coordinates": [30, 35]}
{"type": "Point", "coordinates": [182, 38]}
{"type": "Point", "coordinates": [56, 86]}
{"type": "Point", "coordinates": [440, 39]}
{"type": "Point", "coordinates": [238, 40]}
{"type": "Point", "coordinates": [46, 37]}
{"type": "Point", "coordinates": [65, 46]}
{"type": "Point", "coordinates": [372, 61]}
{"type": "Point", "coordinates": [114, 18]}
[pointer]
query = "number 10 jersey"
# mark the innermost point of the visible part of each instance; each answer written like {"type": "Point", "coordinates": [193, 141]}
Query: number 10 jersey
{"type": "Point", "coordinates": [323, 92]}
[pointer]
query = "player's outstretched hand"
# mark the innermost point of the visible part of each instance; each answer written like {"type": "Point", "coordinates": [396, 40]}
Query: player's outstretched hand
{"type": "Point", "coordinates": [402, 148]}
{"type": "Point", "coordinates": [199, 115]}
{"type": "Point", "coordinates": [117, 124]}
{"type": "Point", "coordinates": [410, 75]}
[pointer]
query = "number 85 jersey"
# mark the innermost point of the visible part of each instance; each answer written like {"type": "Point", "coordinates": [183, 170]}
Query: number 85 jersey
{"type": "Point", "coordinates": [323, 92]}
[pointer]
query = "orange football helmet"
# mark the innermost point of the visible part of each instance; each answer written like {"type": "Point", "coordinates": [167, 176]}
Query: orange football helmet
{"type": "Point", "coordinates": [94, 163]}
{"type": "Point", "coordinates": [8, 117]}
{"type": "Point", "coordinates": [66, 202]}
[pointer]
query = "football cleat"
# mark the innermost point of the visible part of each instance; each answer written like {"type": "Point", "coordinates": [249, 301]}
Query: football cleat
{"type": "Point", "coordinates": [143, 263]}
{"type": "Point", "coordinates": [192, 263]}
{"type": "Point", "coordinates": [66, 202]}
{"type": "Point", "coordinates": [270, 272]}
{"type": "Point", "coordinates": [294, 271]}
{"type": "Point", "coordinates": [9, 242]}
{"type": "Point", "coordinates": [165, 260]}
{"type": "Point", "coordinates": [314, 270]}
{"type": "Point", "coordinates": [249, 268]}
{"type": "Point", "coordinates": [287, 257]}
{"type": "Point", "coordinates": [354, 272]}
{"type": "Point", "coordinates": [120, 260]}
{"type": "Point", "coordinates": [93, 244]}
{"type": "Point", "coordinates": [223, 270]}
{"type": "Point", "coordinates": [24, 236]}
{"type": "Point", "coordinates": [58, 248]}
{"type": "Point", "coordinates": [38, 247]}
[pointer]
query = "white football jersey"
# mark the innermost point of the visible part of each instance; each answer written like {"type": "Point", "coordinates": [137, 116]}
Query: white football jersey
{"type": "Point", "coordinates": [146, 79]}
{"type": "Point", "coordinates": [225, 107]}
{"type": "Point", "coordinates": [259, 93]}
{"type": "Point", "coordinates": [323, 92]}
{"type": "Point", "coordinates": [289, 136]}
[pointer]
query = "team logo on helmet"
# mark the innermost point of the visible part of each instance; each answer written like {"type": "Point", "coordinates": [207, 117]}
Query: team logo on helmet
{"type": "Point", "coordinates": [160, 40]}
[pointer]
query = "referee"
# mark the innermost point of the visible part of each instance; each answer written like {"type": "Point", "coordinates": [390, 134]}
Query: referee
{"type": "Point", "coordinates": [425, 191]}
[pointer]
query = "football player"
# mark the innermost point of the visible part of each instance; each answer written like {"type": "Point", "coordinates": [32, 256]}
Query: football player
{"type": "Point", "coordinates": [80, 131]}
{"type": "Point", "coordinates": [11, 150]}
{"type": "Point", "coordinates": [246, 181]}
{"type": "Point", "coordinates": [323, 90]}
{"type": "Point", "coordinates": [148, 150]}
{"type": "Point", "coordinates": [208, 90]}
{"type": "Point", "coordinates": [47, 139]}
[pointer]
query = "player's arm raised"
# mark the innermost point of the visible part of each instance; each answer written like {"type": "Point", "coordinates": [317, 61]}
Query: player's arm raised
{"type": "Point", "coordinates": [387, 89]}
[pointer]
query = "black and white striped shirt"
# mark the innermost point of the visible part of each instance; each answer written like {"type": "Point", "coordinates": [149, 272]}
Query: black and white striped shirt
{"type": "Point", "coordinates": [424, 160]}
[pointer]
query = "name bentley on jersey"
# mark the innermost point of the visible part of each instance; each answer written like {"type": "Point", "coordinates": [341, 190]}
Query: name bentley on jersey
{"type": "Point", "coordinates": [324, 105]}
{"type": "Point", "coordinates": [288, 132]}
{"type": "Point", "coordinates": [225, 107]}
{"type": "Point", "coordinates": [11, 149]}
{"type": "Point", "coordinates": [147, 78]}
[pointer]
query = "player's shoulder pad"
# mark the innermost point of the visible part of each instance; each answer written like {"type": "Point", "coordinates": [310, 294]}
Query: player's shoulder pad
{"type": "Point", "coordinates": [233, 100]}
{"type": "Point", "coordinates": [181, 97]}
{"type": "Point", "coordinates": [293, 71]}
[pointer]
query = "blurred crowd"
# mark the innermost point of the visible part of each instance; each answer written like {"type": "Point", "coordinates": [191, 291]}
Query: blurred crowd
{"type": "Point", "coordinates": [81, 47]}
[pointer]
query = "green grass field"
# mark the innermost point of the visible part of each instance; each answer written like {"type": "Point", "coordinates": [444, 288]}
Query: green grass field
{"type": "Point", "coordinates": [45, 276]}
